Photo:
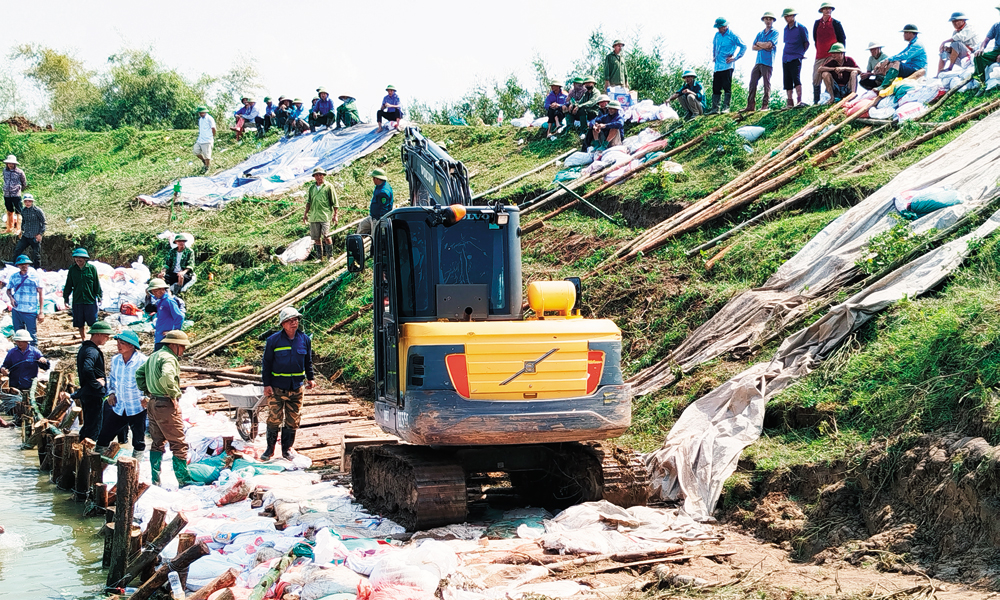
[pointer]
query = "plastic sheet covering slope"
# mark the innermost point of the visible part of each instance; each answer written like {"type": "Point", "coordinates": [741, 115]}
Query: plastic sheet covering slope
{"type": "Point", "coordinates": [282, 166]}
{"type": "Point", "coordinates": [704, 445]}
{"type": "Point", "coordinates": [968, 164]}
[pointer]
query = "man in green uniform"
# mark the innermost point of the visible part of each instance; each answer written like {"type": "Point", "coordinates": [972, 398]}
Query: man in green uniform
{"type": "Point", "coordinates": [85, 287]}
{"type": "Point", "coordinates": [381, 203]}
{"type": "Point", "coordinates": [160, 378]}
{"type": "Point", "coordinates": [584, 109]}
{"type": "Point", "coordinates": [321, 206]}
{"type": "Point", "coordinates": [615, 73]}
{"type": "Point", "coordinates": [347, 113]}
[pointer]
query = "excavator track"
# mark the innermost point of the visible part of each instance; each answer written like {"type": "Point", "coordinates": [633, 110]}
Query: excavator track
{"type": "Point", "coordinates": [626, 478]}
{"type": "Point", "coordinates": [412, 485]}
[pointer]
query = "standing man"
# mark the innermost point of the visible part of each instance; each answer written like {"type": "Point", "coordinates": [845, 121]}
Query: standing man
{"type": "Point", "coordinates": [178, 265]}
{"type": "Point", "coordinates": [32, 229]}
{"type": "Point", "coordinates": [962, 43]}
{"type": "Point", "coordinates": [766, 46]}
{"type": "Point", "coordinates": [322, 205]}
{"type": "Point", "coordinates": [839, 74]}
{"type": "Point", "coordinates": [84, 285]}
{"type": "Point", "coordinates": [206, 138]}
{"type": "Point", "coordinates": [14, 182]}
{"type": "Point", "coordinates": [827, 31]}
{"type": "Point", "coordinates": [796, 39]}
{"type": "Point", "coordinates": [322, 111]}
{"type": "Point", "coordinates": [913, 58]}
{"type": "Point", "coordinates": [91, 373]}
{"type": "Point", "coordinates": [126, 401]}
{"type": "Point", "coordinates": [984, 59]}
{"type": "Point", "coordinates": [285, 366]}
{"type": "Point", "coordinates": [724, 46]}
{"type": "Point", "coordinates": [347, 112]}
{"type": "Point", "coordinates": [615, 73]}
{"type": "Point", "coordinates": [870, 78]}
{"type": "Point", "coordinates": [22, 362]}
{"type": "Point", "coordinates": [160, 378]}
{"type": "Point", "coordinates": [381, 203]}
{"type": "Point", "coordinates": [26, 295]}
{"type": "Point", "coordinates": [690, 95]}
{"type": "Point", "coordinates": [169, 316]}
{"type": "Point", "coordinates": [391, 109]}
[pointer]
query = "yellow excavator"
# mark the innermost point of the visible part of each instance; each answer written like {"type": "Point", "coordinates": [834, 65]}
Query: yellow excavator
{"type": "Point", "coordinates": [473, 388]}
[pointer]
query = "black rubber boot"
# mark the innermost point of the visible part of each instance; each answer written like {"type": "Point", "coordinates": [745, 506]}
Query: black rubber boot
{"type": "Point", "coordinates": [725, 101]}
{"type": "Point", "coordinates": [272, 439]}
{"type": "Point", "coordinates": [328, 251]}
{"type": "Point", "coordinates": [816, 92]}
{"type": "Point", "coordinates": [287, 439]}
{"type": "Point", "coordinates": [316, 253]}
{"type": "Point", "coordinates": [715, 104]}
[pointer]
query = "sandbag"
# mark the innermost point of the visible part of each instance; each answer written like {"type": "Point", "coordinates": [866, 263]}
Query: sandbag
{"type": "Point", "coordinates": [579, 159]}
{"type": "Point", "coordinates": [913, 204]}
{"type": "Point", "coordinates": [326, 580]}
{"type": "Point", "coordinates": [750, 132]}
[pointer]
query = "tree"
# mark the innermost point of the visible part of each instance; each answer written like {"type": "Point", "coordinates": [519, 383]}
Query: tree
{"type": "Point", "coordinates": [63, 78]}
{"type": "Point", "coordinates": [241, 80]}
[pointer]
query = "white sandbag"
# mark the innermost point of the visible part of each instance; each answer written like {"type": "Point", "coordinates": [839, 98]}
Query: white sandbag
{"type": "Point", "coordinates": [226, 531]}
{"type": "Point", "coordinates": [540, 121]}
{"type": "Point", "coordinates": [881, 113]}
{"type": "Point", "coordinates": [579, 159]}
{"type": "Point", "coordinates": [911, 110]}
{"type": "Point", "coordinates": [297, 251]}
{"type": "Point", "coordinates": [392, 570]}
{"type": "Point", "coordinates": [922, 94]}
{"type": "Point", "coordinates": [667, 113]}
{"type": "Point", "coordinates": [202, 571]}
{"type": "Point", "coordinates": [616, 155]}
{"type": "Point", "coordinates": [525, 121]}
{"type": "Point", "coordinates": [328, 548]}
{"type": "Point", "coordinates": [750, 133]}
{"type": "Point", "coordinates": [321, 581]}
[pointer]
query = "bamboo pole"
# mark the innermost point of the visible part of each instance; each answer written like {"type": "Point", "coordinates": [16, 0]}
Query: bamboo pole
{"type": "Point", "coordinates": [517, 178]}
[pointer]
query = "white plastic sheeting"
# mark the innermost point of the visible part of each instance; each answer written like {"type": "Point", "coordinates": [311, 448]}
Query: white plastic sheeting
{"type": "Point", "coordinates": [281, 167]}
{"type": "Point", "coordinates": [704, 445]}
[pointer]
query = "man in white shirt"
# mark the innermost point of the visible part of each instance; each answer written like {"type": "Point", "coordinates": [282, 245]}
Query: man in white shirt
{"type": "Point", "coordinates": [206, 137]}
{"type": "Point", "coordinates": [961, 45]}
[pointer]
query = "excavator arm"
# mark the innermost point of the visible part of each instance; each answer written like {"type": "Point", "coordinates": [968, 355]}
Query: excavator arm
{"type": "Point", "coordinates": [434, 177]}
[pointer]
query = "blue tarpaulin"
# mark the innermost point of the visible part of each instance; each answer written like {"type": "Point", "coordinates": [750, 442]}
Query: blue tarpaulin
{"type": "Point", "coordinates": [284, 165]}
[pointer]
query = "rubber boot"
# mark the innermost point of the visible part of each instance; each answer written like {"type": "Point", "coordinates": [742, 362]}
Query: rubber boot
{"type": "Point", "coordinates": [715, 104]}
{"type": "Point", "coordinates": [816, 92]}
{"type": "Point", "coordinates": [155, 464]}
{"type": "Point", "coordinates": [725, 101]}
{"type": "Point", "coordinates": [287, 439]}
{"type": "Point", "coordinates": [181, 472]}
{"type": "Point", "coordinates": [272, 439]}
{"type": "Point", "coordinates": [890, 76]}
{"type": "Point", "coordinates": [315, 253]}
{"type": "Point", "coordinates": [138, 455]}
{"type": "Point", "coordinates": [328, 251]}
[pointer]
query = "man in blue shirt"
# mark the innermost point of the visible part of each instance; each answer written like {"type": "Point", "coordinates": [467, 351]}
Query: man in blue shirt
{"type": "Point", "coordinates": [125, 408]}
{"type": "Point", "coordinates": [913, 58]}
{"type": "Point", "coordinates": [296, 122]}
{"type": "Point", "coordinates": [285, 366]}
{"type": "Point", "coordinates": [690, 96]}
{"type": "Point", "coordinates": [724, 46]}
{"type": "Point", "coordinates": [169, 316]}
{"type": "Point", "coordinates": [22, 362]}
{"type": "Point", "coordinates": [796, 39]}
{"type": "Point", "coordinates": [381, 203]}
{"type": "Point", "coordinates": [606, 128]}
{"type": "Point", "coordinates": [391, 109]}
{"type": "Point", "coordinates": [269, 113]}
{"type": "Point", "coordinates": [766, 46]}
{"type": "Point", "coordinates": [26, 295]}
{"type": "Point", "coordinates": [322, 111]}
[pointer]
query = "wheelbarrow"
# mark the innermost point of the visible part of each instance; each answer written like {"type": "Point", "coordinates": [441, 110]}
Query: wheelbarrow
{"type": "Point", "coordinates": [249, 401]}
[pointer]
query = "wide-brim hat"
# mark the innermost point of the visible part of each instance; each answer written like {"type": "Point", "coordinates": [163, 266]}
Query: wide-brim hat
{"type": "Point", "coordinates": [589, 80]}
{"type": "Point", "coordinates": [102, 327]}
{"type": "Point", "coordinates": [297, 101]}
{"type": "Point", "coordinates": [909, 28]}
{"type": "Point", "coordinates": [81, 253]}
{"type": "Point", "coordinates": [603, 98]}
{"type": "Point", "coordinates": [201, 108]}
{"type": "Point", "coordinates": [720, 22]}
{"type": "Point", "coordinates": [22, 260]}
{"type": "Point", "coordinates": [27, 197]}
{"type": "Point", "coordinates": [319, 171]}
{"type": "Point", "coordinates": [873, 45]}
{"type": "Point", "coordinates": [555, 83]}
{"type": "Point", "coordinates": [187, 237]}
{"type": "Point", "coordinates": [22, 335]}
{"type": "Point", "coordinates": [390, 87]}
{"type": "Point", "coordinates": [769, 15]}
{"type": "Point", "coordinates": [175, 337]}
{"type": "Point", "coordinates": [826, 5]}
{"type": "Point", "coordinates": [837, 47]}
{"type": "Point", "coordinates": [788, 12]}
{"type": "Point", "coordinates": [958, 16]}
{"type": "Point", "coordinates": [577, 80]}
{"type": "Point", "coordinates": [129, 337]}
{"type": "Point", "coordinates": [343, 96]}
{"type": "Point", "coordinates": [615, 104]}
{"type": "Point", "coordinates": [379, 174]}
{"type": "Point", "coordinates": [689, 73]}
{"type": "Point", "coordinates": [617, 43]}
{"type": "Point", "coordinates": [286, 313]}
{"type": "Point", "coordinates": [321, 90]}
{"type": "Point", "coordinates": [156, 284]}
{"type": "Point", "coordinates": [11, 160]}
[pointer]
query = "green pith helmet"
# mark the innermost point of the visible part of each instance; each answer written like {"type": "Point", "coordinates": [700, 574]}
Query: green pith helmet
{"type": "Point", "coordinates": [379, 174]}
{"type": "Point", "coordinates": [615, 104]}
{"type": "Point", "coordinates": [689, 73]}
{"type": "Point", "coordinates": [81, 253]}
{"type": "Point", "coordinates": [578, 80]}
{"type": "Point", "coordinates": [838, 47]}
{"type": "Point", "coordinates": [603, 98]}
{"type": "Point", "coordinates": [720, 22]}
{"type": "Point", "coordinates": [102, 327]}
{"type": "Point", "coordinates": [769, 15]}
{"type": "Point", "coordinates": [788, 12]}
{"type": "Point", "coordinates": [589, 80]}
{"type": "Point", "coordinates": [958, 16]}
{"type": "Point", "coordinates": [909, 28]}
{"type": "Point", "coordinates": [555, 83]}
{"type": "Point", "coordinates": [390, 87]}
{"type": "Point", "coordinates": [175, 337]}
{"type": "Point", "coordinates": [617, 43]}
{"type": "Point", "coordinates": [156, 284]}
{"type": "Point", "coordinates": [201, 109]}
{"type": "Point", "coordinates": [129, 337]}
{"type": "Point", "coordinates": [826, 5]}
{"type": "Point", "coordinates": [22, 260]}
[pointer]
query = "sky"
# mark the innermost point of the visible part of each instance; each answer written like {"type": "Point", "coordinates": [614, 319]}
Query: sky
{"type": "Point", "coordinates": [432, 50]}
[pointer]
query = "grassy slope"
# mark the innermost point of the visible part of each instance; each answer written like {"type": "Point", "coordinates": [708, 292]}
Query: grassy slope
{"type": "Point", "coordinates": [656, 300]}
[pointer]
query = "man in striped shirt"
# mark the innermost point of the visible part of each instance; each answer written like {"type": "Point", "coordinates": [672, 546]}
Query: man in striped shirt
{"type": "Point", "coordinates": [126, 401]}
{"type": "Point", "coordinates": [26, 295]}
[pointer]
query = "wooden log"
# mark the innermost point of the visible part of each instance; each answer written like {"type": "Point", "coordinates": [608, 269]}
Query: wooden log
{"type": "Point", "coordinates": [227, 579]}
{"type": "Point", "coordinates": [347, 446]}
{"type": "Point", "coordinates": [57, 457]}
{"type": "Point", "coordinates": [108, 533]}
{"type": "Point", "coordinates": [226, 594]}
{"type": "Point", "coordinates": [151, 549]}
{"type": "Point", "coordinates": [101, 495]}
{"type": "Point", "coordinates": [134, 540]}
{"type": "Point", "coordinates": [96, 467]}
{"type": "Point", "coordinates": [59, 411]}
{"type": "Point", "coordinates": [184, 541]}
{"type": "Point", "coordinates": [83, 475]}
{"type": "Point", "coordinates": [350, 318]}
{"type": "Point", "coordinates": [69, 417]}
{"type": "Point", "coordinates": [125, 495]}
{"type": "Point", "coordinates": [157, 521]}
{"type": "Point", "coordinates": [182, 561]}
{"type": "Point", "coordinates": [112, 450]}
{"type": "Point", "coordinates": [664, 559]}
{"type": "Point", "coordinates": [51, 395]}
{"type": "Point", "coordinates": [67, 476]}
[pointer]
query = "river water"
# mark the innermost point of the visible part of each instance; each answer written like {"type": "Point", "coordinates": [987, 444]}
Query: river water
{"type": "Point", "coordinates": [48, 550]}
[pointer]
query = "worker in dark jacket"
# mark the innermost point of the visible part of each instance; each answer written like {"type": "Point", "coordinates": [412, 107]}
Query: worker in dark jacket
{"type": "Point", "coordinates": [322, 112]}
{"type": "Point", "coordinates": [22, 362]}
{"type": "Point", "coordinates": [606, 128]}
{"type": "Point", "coordinates": [381, 203]}
{"type": "Point", "coordinates": [84, 285]}
{"type": "Point", "coordinates": [285, 367]}
{"type": "Point", "coordinates": [92, 373]}
{"type": "Point", "coordinates": [347, 113]}
{"type": "Point", "coordinates": [178, 264]}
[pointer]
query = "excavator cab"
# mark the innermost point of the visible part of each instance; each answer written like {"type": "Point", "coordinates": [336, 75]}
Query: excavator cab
{"type": "Point", "coordinates": [471, 385]}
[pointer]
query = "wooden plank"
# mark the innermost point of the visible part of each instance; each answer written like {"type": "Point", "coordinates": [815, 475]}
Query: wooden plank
{"type": "Point", "coordinates": [325, 454]}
